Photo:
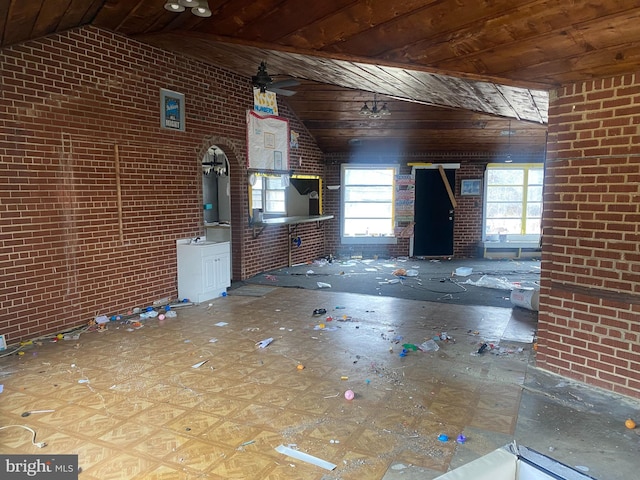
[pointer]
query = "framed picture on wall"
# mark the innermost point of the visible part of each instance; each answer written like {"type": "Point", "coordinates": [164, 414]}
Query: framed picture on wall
{"type": "Point", "coordinates": [171, 110]}
{"type": "Point", "coordinates": [470, 187]}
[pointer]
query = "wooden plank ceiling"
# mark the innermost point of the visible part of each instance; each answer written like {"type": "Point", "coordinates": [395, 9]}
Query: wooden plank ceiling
{"type": "Point", "coordinates": [457, 75]}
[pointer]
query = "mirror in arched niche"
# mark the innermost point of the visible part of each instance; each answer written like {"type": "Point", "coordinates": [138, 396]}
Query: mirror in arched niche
{"type": "Point", "coordinates": [216, 198]}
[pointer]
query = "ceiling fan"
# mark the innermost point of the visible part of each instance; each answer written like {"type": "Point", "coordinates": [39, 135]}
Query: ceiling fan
{"type": "Point", "coordinates": [264, 82]}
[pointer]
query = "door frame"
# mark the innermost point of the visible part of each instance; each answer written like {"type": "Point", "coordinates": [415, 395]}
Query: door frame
{"type": "Point", "coordinates": [429, 166]}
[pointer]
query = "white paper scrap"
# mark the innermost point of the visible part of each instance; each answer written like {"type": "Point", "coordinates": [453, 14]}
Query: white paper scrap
{"type": "Point", "coordinates": [199, 364]}
{"type": "Point", "coordinates": [221, 324]}
{"type": "Point", "coordinates": [305, 457]}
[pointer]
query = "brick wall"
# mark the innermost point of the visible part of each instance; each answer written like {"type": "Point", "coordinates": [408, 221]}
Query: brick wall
{"type": "Point", "coordinates": [589, 327]}
{"type": "Point", "coordinates": [94, 194]}
{"type": "Point", "coordinates": [468, 216]}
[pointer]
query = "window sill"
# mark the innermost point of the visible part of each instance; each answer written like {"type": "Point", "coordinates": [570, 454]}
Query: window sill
{"type": "Point", "coordinates": [365, 240]}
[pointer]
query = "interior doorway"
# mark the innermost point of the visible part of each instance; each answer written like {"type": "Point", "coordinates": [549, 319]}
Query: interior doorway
{"type": "Point", "coordinates": [216, 196]}
{"type": "Point", "coordinates": [434, 213]}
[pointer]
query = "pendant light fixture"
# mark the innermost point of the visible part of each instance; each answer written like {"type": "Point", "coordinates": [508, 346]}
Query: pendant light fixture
{"type": "Point", "coordinates": [199, 8]}
{"type": "Point", "coordinates": [374, 111]}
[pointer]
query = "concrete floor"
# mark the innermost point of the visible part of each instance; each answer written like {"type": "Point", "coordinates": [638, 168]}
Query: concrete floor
{"type": "Point", "coordinates": [129, 402]}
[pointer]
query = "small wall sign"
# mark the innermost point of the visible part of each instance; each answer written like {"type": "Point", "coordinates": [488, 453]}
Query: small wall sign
{"type": "Point", "coordinates": [171, 110]}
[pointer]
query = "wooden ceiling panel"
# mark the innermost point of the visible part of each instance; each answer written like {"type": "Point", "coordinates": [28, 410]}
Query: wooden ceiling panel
{"type": "Point", "coordinates": [454, 73]}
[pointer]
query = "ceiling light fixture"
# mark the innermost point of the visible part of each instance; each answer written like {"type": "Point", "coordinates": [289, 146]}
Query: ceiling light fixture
{"type": "Point", "coordinates": [199, 8]}
{"type": "Point", "coordinates": [374, 111]}
{"type": "Point", "coordinates": [262, 80]}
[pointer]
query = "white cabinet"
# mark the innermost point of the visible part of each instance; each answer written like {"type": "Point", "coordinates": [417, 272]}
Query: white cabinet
{"type": "Point", "coordinates": [204, 270]}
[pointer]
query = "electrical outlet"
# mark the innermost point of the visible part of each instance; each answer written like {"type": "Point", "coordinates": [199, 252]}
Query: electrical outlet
{"type": "Point", "coordinates": [3, 343]}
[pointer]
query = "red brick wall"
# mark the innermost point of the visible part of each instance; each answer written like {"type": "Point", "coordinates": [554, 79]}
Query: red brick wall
{"type": "Point", "coordinates": [74, 105]}
{"type": "Point", "coordinates": [468, 216]}
{"type": "Point", "coordinates": [589, 327]}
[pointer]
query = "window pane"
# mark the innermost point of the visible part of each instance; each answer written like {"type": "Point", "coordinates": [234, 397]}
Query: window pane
{"type": "Point", "coordinates": [507, 209]}
{"type": "Point", "coordinates": [361, 176]}
{"type": "Point", "coordinates": [534, 210]}
{"type": "Point", "coordinates": [504, 210]}
{"type": "Point", "coordinates": [536, 176]}
{"type": "Point", "coordinates": [505, 176]}
{"type": "Point", "coordinates": [504, 225]}
{"type": "Point", "coordinates": [367, 210]}
{"type": "Point", "coordinates": [256, 194]}
{"type": "Point", "coordinates": [364, 194]}
{"type": "Point", "coordinates": [377, 227]}
{"type": "Point", "coordinates": [504, 194]}
{"type": "Point", "coordinates": [534, 194]}
{"type": "Point", "coordinates": [368, 201]}
{"type": "Point", "coordinates": [533, 226]}
{"type": "Point", "coordinates": [275, 202]}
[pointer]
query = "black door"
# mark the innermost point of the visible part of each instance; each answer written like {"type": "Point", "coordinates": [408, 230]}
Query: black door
{"type": "Point", "coordinates": [434, 214]}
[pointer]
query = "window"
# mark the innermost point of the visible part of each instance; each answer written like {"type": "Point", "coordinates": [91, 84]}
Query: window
{"type": "Point", "coordinates": [268, 193]}
{"type": "Point", "coordinates": [513, 204]}
{"type": "Point", "coordinates": [367, 203]}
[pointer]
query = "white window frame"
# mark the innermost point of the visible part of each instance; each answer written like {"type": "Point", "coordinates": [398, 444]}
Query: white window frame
{"type": "Point", "coordinates": [262, 185]}
{"type": "Point", "coordinates": [371, 238]}
{"type": "Point", "coordinates": [521, 236]}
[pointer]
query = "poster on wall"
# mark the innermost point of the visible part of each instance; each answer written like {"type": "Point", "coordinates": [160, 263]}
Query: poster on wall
{"type": "Point", "coordinates": [405, 198]}
{"type": "Point", "coordinates": [265, 103]}
{"type": "Point", "coordinates": [171, 110]}
{"type": "Point", "coordinates": [267, 142]}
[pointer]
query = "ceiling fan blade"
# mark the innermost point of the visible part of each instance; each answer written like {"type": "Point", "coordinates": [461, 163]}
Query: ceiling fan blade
{"type": "Point", "coordinates": [279, 91]}
{"type": "Point", "coordinates": [291, 82]}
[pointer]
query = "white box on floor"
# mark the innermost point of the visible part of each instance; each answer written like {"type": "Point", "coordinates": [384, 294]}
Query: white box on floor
{"type": "Point", "coordinates": [514, 462]}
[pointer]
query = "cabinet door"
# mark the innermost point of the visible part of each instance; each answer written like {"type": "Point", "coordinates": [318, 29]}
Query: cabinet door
{"type": "Point", "coordinates": [211, 269]}
{"type": "Point", "coordinates": [223, 273]}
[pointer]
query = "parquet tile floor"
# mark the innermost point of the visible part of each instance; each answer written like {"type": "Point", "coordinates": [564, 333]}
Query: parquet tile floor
{"type": "Point", "coordinates": [131, 405]}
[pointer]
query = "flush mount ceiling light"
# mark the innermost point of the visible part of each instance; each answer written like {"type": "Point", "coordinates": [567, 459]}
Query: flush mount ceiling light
{"type": "Point", "coordinates": [200, 8]}
{"type": "Point", "coordinates": [374, 111]}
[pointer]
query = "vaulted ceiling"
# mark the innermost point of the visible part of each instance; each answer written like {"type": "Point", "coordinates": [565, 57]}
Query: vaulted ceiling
{"type": "Point", "coordinates": [457, 75]}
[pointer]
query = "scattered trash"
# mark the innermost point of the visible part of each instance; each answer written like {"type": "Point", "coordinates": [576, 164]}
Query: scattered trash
{"type": "Point", "coordinates": [305, 457]}
{"type": "Point", "coordinates": [429, 346]}
{"type": "Point", "coordinates": [323, 285]}
{"type": "Point", "coordinates": [399, 272]}
{"type": "Point", "coordinates": [319, 311]}
{"type": "Point", "coordinates": [630, 424]}
{"type": "Point", "coordinates": [264, 343]}
{"type": "Point", "coordinates": [213, 340]}
{"type": "Point", "coordinates": [483, 348]}
{"type": "Point", "coordinates": [33, 433]}
{"type": "Point", "coordinates": [199, 364]}
{"type": "Point", "coordinates": [410, 346]}
{"type": "Point", "coordinates": [349, 395]}
{"type": "Point", "coordinates": [26, 414]}
{"type": "Point", "coordinates": [461, 439]}
{"type": "Point", "coordinates": [344, 378]}
{"type": "Point", "coordinates": [463, 271]}
{"type": "Point", "coordinates": [300, 366]}
{"type": "Point", "coordinates": [1, 388]}
{"type": "Point", "coordinates": [492, 282]}
{"type": "Point", "coordinates": [250, 442]}
{"type": "Point", "coordinates": [83, 380]}
{"type": "Point", "coordinates": [528, 298]}
{"type": "Point", "coordinates": [102, 319]}
{"type": "Point", "coordinates": [221, 324]}
{"type": "Point", "coordinates": [412, 273]}
{"type": "Point", "coordinates": [443, 438]}
{"type": "Point", "coordinates": [334, 441]}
